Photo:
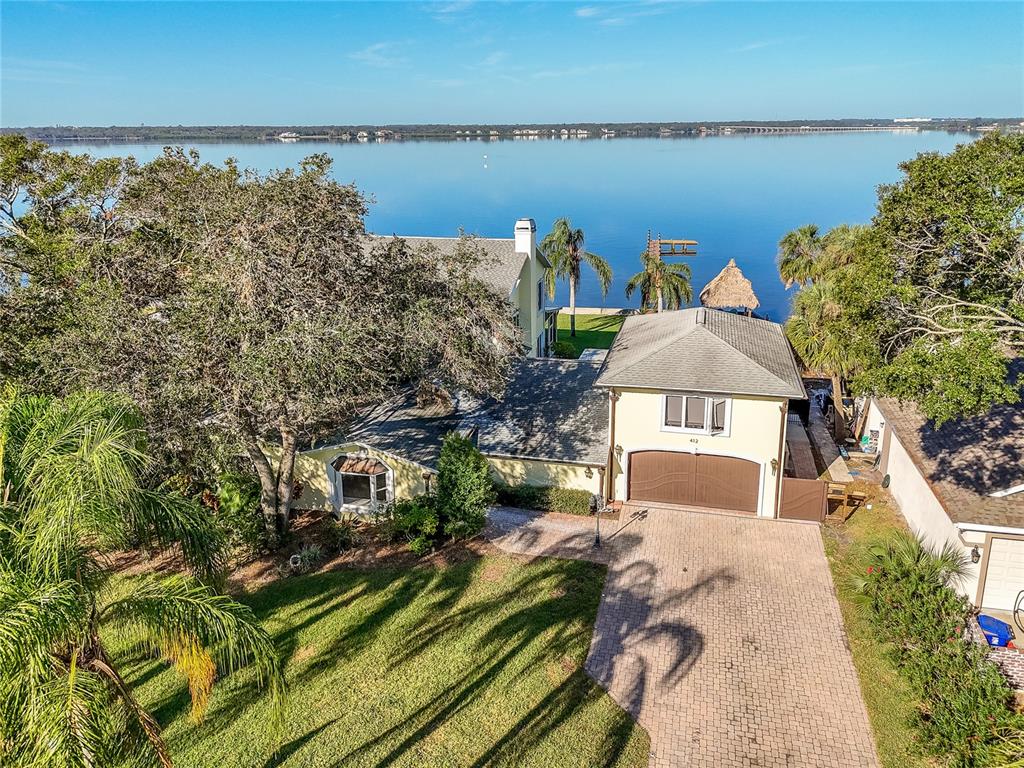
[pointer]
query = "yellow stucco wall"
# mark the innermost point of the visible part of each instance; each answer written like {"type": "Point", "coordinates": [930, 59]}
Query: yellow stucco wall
{"type": "Point", "coordinates": [531, 315]}
{"type": "Point", "coordinates": [525, 472]}
{"type": "Point", "coordinates": [311, 470]}
{"type": "Point", "coordinates": [754, 435]}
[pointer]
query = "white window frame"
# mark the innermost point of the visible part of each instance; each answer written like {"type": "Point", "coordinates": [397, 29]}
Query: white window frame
{"type": "Point", "coordinates": [709, 404]}
{"type": "Point", "coordinates": [540, 295]}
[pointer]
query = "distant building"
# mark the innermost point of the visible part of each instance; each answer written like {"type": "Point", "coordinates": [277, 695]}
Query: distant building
{"type": "Point", "coordinates": [912, 120]}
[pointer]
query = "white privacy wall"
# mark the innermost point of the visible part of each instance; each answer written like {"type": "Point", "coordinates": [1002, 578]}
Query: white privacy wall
{"type": "Point", "coordinates": [923, 512]}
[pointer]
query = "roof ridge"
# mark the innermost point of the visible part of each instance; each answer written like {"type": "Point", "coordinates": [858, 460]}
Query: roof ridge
{"type": "Point", "coordinates": [444, 237]}
{"type": "Point", "coordinates": [649, 355]}
{"type": "Point", "coordinates": [655, 351]}
{"type": "Point", "coordinates": [757, 362]}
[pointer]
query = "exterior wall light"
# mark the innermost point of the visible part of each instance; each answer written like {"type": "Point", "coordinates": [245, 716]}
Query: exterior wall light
{"type": "Point", "coordinates": [589, 472]}
{"type": "Point", "coordinates": [975, 555]}
{"type": "Point", "coordinates": [775, 466]}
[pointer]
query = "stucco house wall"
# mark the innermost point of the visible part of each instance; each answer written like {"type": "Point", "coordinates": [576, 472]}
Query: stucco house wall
{"type": "Point", "coordinates": [754, 434]}
{"type": "Point", "coordinates": [531, 472]}
{"type": "Point", "coordinates": [924, 514]}
{"type": "Point", "coordinates": [311, 471]}
{"type": "Point", "coordinates": [525, 296]}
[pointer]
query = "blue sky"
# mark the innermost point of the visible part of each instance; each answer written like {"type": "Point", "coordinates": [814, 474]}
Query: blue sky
{"type": "Point", "coordinates": [109, 63]}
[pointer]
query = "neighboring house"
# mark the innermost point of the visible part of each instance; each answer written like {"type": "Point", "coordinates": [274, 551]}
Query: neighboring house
{"type": "Point", "coordinates": [698, 400]}
{"type": "Point", "coordinates": [514, 268]}
{"type": "Point", "coordinates": [551, 428]}
{"type": "Point", "coordinates": [961, 483]}
{"type": "Point", "coordinates": [688, 408]}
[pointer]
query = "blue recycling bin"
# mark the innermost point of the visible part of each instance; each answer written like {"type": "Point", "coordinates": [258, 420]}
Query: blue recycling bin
{"type": "Point", "coordinates": [996, 632]}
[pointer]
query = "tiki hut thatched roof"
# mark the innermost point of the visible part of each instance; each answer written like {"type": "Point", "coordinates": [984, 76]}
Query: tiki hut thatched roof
{"type": "Point", "coordinates": [729, 289]}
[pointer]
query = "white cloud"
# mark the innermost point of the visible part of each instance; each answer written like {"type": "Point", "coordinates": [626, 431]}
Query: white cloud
{"type": "Point", "coordinates": [378, 55]}
{"type": "Point", "coordinates": [758, 45]}
{"type": "Point", "coordinates": [494, 59]}
{"type": "Point", "coordinates": [587, 11]}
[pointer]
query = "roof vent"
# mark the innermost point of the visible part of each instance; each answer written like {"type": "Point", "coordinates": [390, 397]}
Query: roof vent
{"type": "Point", "coordinates": [702, 316]}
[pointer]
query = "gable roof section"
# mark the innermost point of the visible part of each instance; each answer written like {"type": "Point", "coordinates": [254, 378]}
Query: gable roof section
{"type": "Point", "coordinates": [703, 350]}
{"type": "Point", "coordinates": [404, 429]}
{"type": "Point", "coordinates": [499, 267]}
{"type": "Point", "coordinates": [966, 460]}
{"type": "Point", "coordinates": [551, 411]}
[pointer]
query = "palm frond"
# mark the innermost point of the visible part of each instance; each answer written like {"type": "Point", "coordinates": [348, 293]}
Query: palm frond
{"type": "Point", "coordinates": [601, 268]}
{"type": "Point", "coordinates": [165, 613]}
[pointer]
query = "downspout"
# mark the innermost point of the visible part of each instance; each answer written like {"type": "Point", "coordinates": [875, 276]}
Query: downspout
{"type": "Point", "coordinates": [784, 409]}
{"type": "Point", "coordinates": [613, 398]}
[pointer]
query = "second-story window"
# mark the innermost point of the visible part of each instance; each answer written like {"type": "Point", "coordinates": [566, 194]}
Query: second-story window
{"type": "Point", "coordinates": [693, 413]}
{"type": "Point", "coordinates": [540, 295]}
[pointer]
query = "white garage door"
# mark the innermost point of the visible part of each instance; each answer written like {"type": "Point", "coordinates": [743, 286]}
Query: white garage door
{"type": "Point", "coordinates": [1005, 574]}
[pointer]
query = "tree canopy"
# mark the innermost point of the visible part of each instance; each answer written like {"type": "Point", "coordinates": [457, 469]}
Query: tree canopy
{"type": "Point", "coordinates": [925, 304]}
{"type": "Point", "coordinates": [564, 248]}
{"type": "Point", "coordinates": [251, 309]}
{"type": "Point", "coordinates": [662, 285]}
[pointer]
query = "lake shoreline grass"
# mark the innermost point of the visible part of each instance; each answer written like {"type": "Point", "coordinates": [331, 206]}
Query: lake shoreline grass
{"type": "Point", "coordinates": [592, 331]}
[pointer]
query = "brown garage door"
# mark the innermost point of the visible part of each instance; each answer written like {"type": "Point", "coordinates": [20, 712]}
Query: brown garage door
{"type": "Point", "coordinates": [718, 482]}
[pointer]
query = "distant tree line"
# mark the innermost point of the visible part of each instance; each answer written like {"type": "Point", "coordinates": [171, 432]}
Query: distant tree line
{"type": "Point", "coordinates": [450, 131]}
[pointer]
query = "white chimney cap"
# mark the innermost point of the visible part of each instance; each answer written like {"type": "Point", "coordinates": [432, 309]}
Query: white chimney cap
{"type": "Point", "coordinates": [526, 225]}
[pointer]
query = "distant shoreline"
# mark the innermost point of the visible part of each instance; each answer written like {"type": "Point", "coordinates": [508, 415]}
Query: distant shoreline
{"type": "Point", "coordinates": [484, 132]}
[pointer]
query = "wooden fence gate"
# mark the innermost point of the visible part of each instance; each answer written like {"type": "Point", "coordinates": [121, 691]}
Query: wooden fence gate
{"type": "Point", "coordinates": [803, 499]}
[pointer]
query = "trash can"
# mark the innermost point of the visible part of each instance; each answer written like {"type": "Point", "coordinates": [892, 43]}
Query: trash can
{"type": "Point", "coordinates": [996, 632]}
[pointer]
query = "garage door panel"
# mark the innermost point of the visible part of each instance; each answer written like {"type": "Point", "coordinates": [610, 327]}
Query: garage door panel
{"type": "Point", "coordinates": [716, 482]}
{"type": "Point", "coordinates": [727, 483]}
{"type": "Point", "coordinates": [1005, 575]}
{"type": "Point", "coordinates": [662, 476]}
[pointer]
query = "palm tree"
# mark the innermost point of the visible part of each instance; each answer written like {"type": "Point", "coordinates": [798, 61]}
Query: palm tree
{"type": "Point", "coordinates": [799, 253]}
{"type": "Point", "coordinates": [661, 285]}
{"type": "Point", "coordinates": [563, 247]}
{"type": "Point", "coordinates": [71, 493]}
{"type": "Point", "coordinates": [822, 340]}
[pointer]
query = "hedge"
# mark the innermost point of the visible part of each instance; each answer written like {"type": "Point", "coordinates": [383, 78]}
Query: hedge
{"type": "Point", "coordinates": [546, 498]}
{"type": "Point", "coordinates": [964, 702]}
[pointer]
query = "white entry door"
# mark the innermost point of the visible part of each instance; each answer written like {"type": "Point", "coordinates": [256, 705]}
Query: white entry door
{"type": "Point", "coordinates": [1005, 574]}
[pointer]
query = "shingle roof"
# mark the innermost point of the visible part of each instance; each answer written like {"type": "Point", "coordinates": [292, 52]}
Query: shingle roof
{"type": "Point", "coordinates": [703, 350]}
{"type": "Point", "coordinates": [500, 265]}
{"type": "Point", "coordinates": [551, 411]}
{"type": "Point", "coordinates": [966, 460]}
{"type": "Point", "coordinates": [404, 429]}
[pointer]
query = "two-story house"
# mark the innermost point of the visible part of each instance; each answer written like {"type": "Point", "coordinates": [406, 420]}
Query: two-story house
{"type": "Point", "coordinates": [514, 267]}
{"type": "Point", "coordinates": [688, 408]}
{"type": "Point", "coordinates": [698, 401]}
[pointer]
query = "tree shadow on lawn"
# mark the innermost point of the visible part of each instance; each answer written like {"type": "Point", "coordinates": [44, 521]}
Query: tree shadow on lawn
{"type": "Point", "coordinates": [530, 619]}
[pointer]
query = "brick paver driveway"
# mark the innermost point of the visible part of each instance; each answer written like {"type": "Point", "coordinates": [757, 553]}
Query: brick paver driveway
{"type": "Point", "coordinates": [721, 635]}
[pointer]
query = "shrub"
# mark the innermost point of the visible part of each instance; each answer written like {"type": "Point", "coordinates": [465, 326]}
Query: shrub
{"type": "Point", "coordinates": [965, 701]}
{"type": "Point", "coordinates": [464, 487]}
{"type": "Point", "coordinates": [564, 350]}
{"type": "Point", "coordinates": [239, 514]}
{"type": "Point", "coordinates": [547, 498]}
{"type": "Point", "coordinates": [307, 558]}
{"type": "Point", "coordinates": [417, 520]}
{"type": "Point", "coordinates": [342, 534]}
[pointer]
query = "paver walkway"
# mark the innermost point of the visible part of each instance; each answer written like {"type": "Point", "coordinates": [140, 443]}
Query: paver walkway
{"type": "Point", "coordinates": [721, 635]}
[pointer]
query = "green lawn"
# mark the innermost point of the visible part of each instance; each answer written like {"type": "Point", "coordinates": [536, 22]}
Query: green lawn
{"type": "Point", "coordinates": [592, 331]}
{"type": "Point", "coordinates": [479, 663]}
{"type": "Point", "coordinates": [888, 697]}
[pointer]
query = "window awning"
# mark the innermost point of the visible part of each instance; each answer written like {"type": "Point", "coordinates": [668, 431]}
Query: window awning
{"type": "Point", "coordinates": [359, 465]}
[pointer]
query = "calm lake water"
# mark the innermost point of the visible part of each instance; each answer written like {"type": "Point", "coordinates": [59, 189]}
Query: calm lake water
{"type": "Point", "coordinates": [736, 195]}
